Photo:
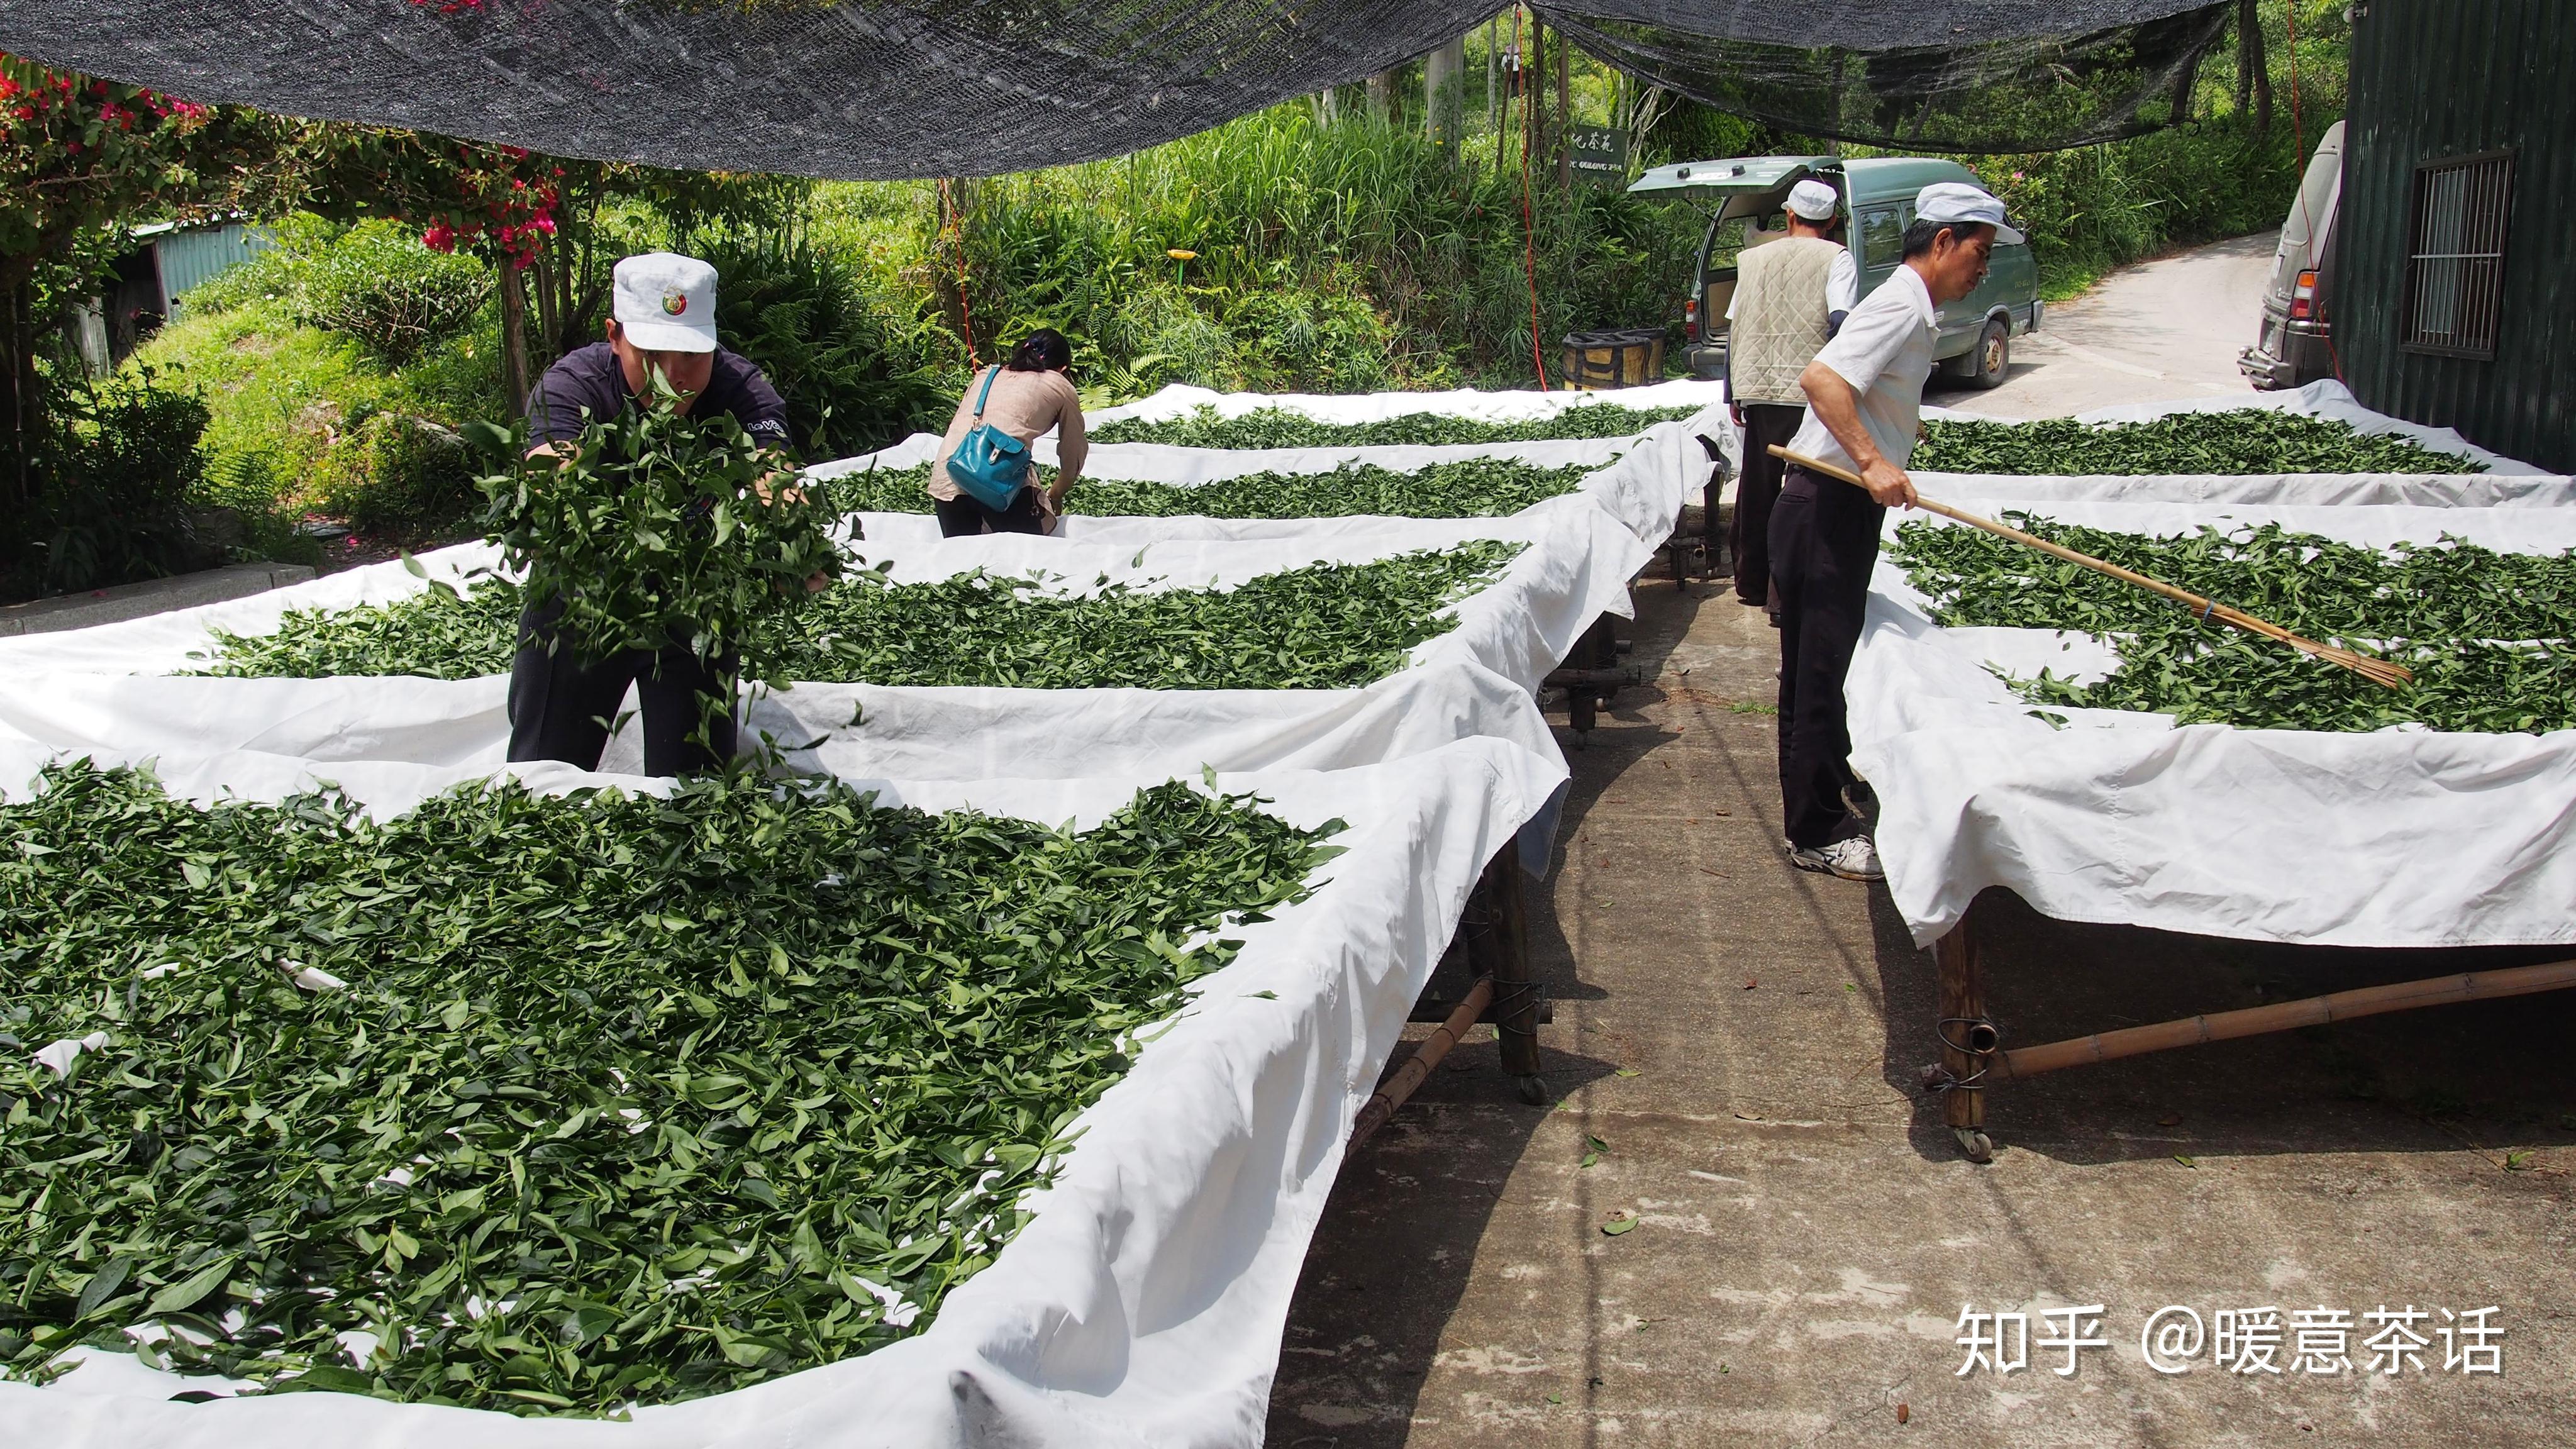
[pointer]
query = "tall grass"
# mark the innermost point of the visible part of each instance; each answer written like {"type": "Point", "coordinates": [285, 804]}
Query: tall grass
{"type": "Point", "coordinates": [1333, 257]}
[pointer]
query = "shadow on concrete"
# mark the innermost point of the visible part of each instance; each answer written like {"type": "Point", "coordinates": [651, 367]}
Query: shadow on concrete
{"type": "Point", "coordinates": [2480, 1075]}
{"type": "Point", "coordinates": [1414, 1203]}
{"type": "Point", "coordinates": [1394, 1250]}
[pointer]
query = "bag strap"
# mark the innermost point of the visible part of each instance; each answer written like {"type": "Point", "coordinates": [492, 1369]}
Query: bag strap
{"type": "Point", "coordinates": [986, 395]}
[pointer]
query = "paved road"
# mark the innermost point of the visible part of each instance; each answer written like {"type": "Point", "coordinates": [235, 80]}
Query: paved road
{"type": "Point", "coordinates": [1738, 1043]}
{"type": "Point", "coordinates": [2162, 329]}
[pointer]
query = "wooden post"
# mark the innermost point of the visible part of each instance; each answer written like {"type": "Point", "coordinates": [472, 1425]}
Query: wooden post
{"type": "Point", "coordinates": [1498, 946]}
{"type": "Point", "coordinates": [1967, 1038]}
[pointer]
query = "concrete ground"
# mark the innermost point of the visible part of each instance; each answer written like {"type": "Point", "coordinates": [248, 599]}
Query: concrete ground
{"type": "Point", "coordinates": [1736, 1047]}
{"type": "Point", "coordinates": [151, 596]}
{"type": "Point", "coordinates": [2169, 328]}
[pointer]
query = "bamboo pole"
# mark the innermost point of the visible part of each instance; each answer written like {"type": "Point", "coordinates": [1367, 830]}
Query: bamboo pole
{"type": "Point", "coordinates": [1418, 1067]}
{"type": "Point", "coordinates": [2280, 1016]}
{"type": "Point", "coordinates": [2381, 672]}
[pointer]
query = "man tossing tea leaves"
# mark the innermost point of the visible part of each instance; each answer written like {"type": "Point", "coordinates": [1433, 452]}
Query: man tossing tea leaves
{"type": "Point", "coordinates": [653, 516]}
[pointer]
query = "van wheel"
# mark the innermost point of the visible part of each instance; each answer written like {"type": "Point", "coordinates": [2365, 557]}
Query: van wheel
{"type": "Point", "coordinates": [1993, 357]}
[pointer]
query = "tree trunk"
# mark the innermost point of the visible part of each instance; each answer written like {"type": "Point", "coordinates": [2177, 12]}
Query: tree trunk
{"type": "Point", "coordinates": [514, 341]}
{"type": "Point", "coordinates": [1381, 95]}
{"type": "Point", "coordinates": [1564, 115]}
{"type": "Point", "coordinates": [1534, 96]}
{"type": "Point", "coordinates": [2253, 66]}
{"type": "Point", "coordinates": [1444, 94]}
{"type": "Point", "coordinates": [1493, 66]}
{"type": "Point", "coordinates": [18, 379]}
{"type": "Point", "coordinates": [551, 302]}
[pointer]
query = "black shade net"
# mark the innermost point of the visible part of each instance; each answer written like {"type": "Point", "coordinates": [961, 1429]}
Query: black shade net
{"type": "Point", "coordinates": [904, 88]}
{"type": "Point", "coordinates": [1998, 94]}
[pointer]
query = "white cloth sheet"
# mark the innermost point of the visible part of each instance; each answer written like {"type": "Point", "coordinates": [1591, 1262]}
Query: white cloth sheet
{"type": "Point", "coordinates": [2404, 837]}
{"type": "Point", "coordinates": [1145, 1303]}
{"type": "Point", "coordinates": [1180, 399]}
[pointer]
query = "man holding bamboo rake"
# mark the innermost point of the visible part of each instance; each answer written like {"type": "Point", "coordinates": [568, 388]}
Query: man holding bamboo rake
{"type": "Point", "coordinates": [1864, 409]}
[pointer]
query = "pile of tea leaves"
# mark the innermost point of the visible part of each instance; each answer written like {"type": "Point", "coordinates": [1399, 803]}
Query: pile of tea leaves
{"type": "Point", "coordinates": [1205, 427]}
{"type": "Point", "coordinates": [1467, 488]}
{"type": "Point", "coordinates": [2235, 441]}
{"type": "Point", "coordinates": [1325, 626]}
{"type": "Point", "coordinates": [562, 1103]}
{"type": "Point", "coordinates": [2490, 636]}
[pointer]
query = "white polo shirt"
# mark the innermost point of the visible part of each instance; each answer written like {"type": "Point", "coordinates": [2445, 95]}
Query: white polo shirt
{"type": "Point", "coordinates": [1885, 352]}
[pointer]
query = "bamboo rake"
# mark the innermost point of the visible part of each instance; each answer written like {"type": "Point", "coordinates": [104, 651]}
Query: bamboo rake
{"type": "Point", "coordinates": [2381, 672]}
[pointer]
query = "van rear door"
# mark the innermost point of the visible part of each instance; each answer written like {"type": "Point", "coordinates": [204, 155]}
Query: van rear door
{"type": "Point", "coordinates": [1732, 191]}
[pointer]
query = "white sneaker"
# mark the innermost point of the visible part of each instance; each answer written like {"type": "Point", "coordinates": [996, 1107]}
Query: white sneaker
{"type": "Point", "coordinates": [1852, 859]}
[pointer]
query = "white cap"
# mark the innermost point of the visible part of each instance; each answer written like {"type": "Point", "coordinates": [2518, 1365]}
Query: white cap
{"type": "Point", "coordinates": [667, 302]}
{"type": "Point", "coordinates": [1952, 203]}
{"type": "Point", "coordinates": [1812, 200]}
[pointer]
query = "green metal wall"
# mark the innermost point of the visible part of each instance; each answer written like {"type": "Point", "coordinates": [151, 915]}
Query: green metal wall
{"type": "Point", "coordinates": [2437, 78]}
{"type": "Point", "coordinates": [191, 258]}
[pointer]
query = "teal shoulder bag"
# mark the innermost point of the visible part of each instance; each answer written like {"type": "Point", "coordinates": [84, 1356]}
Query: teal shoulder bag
{"type": "Point", "coordinates": [990, 466]}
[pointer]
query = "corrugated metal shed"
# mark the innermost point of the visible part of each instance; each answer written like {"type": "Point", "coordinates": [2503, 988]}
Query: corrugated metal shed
{"type": "Point", "coordinates": [2433, 79]}
{"type": "Point", "coordinates": [193, 256]}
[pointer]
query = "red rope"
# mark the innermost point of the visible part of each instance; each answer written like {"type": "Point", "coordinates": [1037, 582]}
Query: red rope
{"type": "Point", "coordinates": [1529, 224]}
{"type": "Point", "coordinates": [957, 233]}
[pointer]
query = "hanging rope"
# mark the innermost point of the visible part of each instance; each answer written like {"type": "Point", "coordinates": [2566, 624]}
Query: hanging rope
{"type": "Point", "coordinates": [1529, 223]}
{"type": "Point", "coordinates": [957, 235]}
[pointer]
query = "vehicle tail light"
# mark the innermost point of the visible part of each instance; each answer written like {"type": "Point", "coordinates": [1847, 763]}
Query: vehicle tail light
{"type": "Point", "coordinates": [2303, 297]}
{"type": "Point", "coordinates": [1690, 319]}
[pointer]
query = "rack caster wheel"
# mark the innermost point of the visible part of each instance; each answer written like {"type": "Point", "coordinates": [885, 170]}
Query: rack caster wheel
{"type": "Point", "coordinates": [1533, 1090]}
{"type": "Point", "coordinates": [1975, 1143]}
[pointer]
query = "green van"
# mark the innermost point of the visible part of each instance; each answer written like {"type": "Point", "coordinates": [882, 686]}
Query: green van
{"type": "Point", "coordinates": [1750, 195]}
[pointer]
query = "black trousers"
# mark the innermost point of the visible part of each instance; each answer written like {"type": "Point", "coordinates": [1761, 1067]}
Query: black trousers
{"type": "Point", "coordinates": [561, 707]}
{"type": "Point", "coordinates": [1824, 541]}
{"type": "Point", "coordinates": [1757, 490]}
{"type": "Point", "coordinates": [962, 517]}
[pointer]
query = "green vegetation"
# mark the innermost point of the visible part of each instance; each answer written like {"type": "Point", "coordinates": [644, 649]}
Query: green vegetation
{"type": "Point", "coordinates": [2225, 173]}
{"type": "Point", "coordinates": [1470, 488]}
{"type": "Point", "coordinates": [568, 1103]}
{"type": "Point", "coordinates": [1325, 626]}
{"type": "Point", "coordinates": [1204, 427]}
{"type": "Point", "coordinates": [2486, 633]}
{"type": "Point", "coordinates": [2241, 440]}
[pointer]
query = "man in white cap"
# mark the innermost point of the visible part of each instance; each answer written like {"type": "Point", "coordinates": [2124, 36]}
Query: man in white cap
{"type": "Point", "coordinates": [1864, 409]}
{"type": "Point", "coordinates": [662, 320]}
{"type": "Point", "coordinates": [1790, 296]}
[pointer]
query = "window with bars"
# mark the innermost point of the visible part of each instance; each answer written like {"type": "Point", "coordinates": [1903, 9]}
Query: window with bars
{"type": "Point", "coordinates": [2455, 254]}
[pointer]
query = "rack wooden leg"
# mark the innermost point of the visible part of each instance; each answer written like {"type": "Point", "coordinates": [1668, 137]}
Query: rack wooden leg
{"type": "Point", "coordinates": [1968, 1040]}
{"type": "Point", "coordinates": [1499, 947]}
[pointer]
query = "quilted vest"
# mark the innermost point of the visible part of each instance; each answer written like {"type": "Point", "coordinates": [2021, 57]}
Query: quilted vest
{"type": "Point", "coordinates": [1779, 317]}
